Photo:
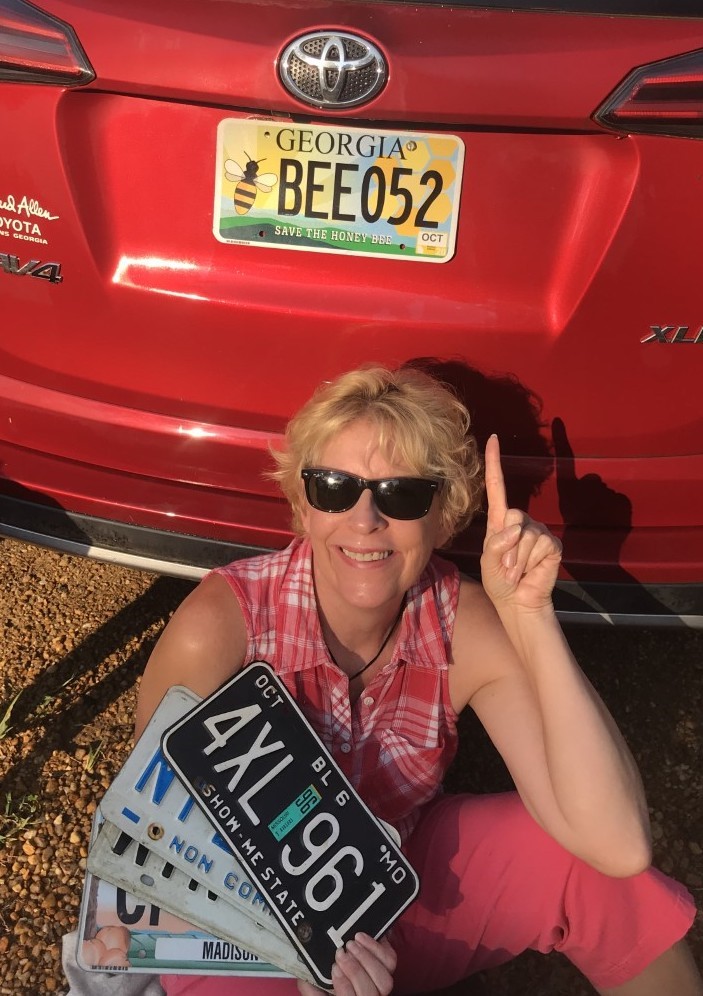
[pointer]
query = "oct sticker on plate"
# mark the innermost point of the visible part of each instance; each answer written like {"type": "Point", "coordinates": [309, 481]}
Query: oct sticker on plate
{"type": "Point", "coordinates": [319, 188]}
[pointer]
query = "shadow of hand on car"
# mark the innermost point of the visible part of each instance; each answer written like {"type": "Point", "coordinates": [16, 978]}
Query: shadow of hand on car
{"type": "Point", "coordinates": [594, 553]}
{"type": "Point", "coordinates": [585, 501]}
{"type": "Point", "coordinates": [596, 518]}
{"type": "Point", "coordinates": [500, 403]}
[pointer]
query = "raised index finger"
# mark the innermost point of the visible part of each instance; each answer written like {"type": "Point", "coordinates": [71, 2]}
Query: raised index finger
{"type": "Point", "coordinates": [495, 486]}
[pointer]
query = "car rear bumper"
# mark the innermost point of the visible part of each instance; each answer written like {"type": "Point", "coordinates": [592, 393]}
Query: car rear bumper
{"type": "Point", "coordinates": [626, 602]}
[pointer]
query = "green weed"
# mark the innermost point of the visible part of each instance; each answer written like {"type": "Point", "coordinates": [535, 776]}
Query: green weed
{"type": "Point", "coordinates": [17, 815]}
{"type": "Point", "coordinates": [5, 720]}
{"type": "Point", "coordinates": [92, 756]}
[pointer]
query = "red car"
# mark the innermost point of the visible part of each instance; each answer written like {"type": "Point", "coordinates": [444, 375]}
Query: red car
{"type": "Point", "coordinates": [207, 208]}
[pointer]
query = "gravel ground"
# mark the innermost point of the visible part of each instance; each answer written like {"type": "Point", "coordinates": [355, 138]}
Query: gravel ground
{"type": "Point", "coordinates": [77, 635]}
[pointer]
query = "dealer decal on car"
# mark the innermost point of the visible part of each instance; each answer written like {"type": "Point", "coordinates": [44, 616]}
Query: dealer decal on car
{"type": "Point", "coordinates": [24, 225]}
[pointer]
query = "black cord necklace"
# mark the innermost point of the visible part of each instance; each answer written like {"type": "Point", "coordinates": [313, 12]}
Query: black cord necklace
{"type": "Point", "coordinates": [380, 649]}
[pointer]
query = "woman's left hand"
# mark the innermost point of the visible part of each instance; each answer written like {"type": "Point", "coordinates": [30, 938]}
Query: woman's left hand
{"type": "Point", "coordinates": [521, 557]}
{"type": "Point", "coordinates": [363, 967]}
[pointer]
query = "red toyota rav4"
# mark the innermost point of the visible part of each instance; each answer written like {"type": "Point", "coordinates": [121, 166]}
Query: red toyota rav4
{"type": "Point", "coordinates": [207, 208]}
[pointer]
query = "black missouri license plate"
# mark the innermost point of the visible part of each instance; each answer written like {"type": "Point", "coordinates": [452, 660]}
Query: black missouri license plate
{"type": "Point", "coordinates": [321, 188]}
{"type": "Point", "coordinates": [264, 778]}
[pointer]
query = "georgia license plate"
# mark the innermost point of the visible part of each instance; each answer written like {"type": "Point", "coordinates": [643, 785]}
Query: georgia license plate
{"type": "Point", "coordinates": [321, 188]}
{"type": "Point", "coordinates": [264, 778]}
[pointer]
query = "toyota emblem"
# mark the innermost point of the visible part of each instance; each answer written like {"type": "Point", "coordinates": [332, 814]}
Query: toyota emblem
{"type": "Point", "coordinates": [332, 69]}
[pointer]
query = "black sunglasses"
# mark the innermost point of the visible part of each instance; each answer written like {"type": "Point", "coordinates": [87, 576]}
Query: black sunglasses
{"type": "Point", "coordinates": [396, 497]}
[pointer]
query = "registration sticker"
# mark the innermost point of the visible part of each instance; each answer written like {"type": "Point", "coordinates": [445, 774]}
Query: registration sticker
{"type": "Point", "coordinates": [321, 188]}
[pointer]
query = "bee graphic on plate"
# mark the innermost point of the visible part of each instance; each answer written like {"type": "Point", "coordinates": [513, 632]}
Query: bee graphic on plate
{"type": "Point", "coordinates": [248, 182]}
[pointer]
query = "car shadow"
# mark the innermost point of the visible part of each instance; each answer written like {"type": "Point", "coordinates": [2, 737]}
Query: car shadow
{"type": "Point", "coordinates": [26, 511]}
{"type": "Point", "coordinates": [579, 498]}
{"type": "Point", "coordinates": [51, 701]}
{"type": "Point", "coordinates": [501, 403]}
{"type": "Point", "coordinates": [536, 450]}
{"type": "Point", "coordinates": [57, 700]}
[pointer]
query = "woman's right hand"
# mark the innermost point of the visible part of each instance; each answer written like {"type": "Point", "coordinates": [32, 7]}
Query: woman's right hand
{"type": "Point", "coordinates": [363, 967]}
{"type": "Point", "coordinates": [521, 558]}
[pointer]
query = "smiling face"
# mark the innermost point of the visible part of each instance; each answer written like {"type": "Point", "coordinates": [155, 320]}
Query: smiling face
{"type": "Point", "coordinates": [361, 558]}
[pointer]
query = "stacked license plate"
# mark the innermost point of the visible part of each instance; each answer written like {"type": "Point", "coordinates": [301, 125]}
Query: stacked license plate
{"type": "Point", "coordinates": [230, 842]}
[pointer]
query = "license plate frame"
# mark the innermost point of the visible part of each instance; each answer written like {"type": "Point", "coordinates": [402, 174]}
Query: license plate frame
{"type": "Point", "coordinates": [337, 189]}
{"type": "Point", "coordinates": [276, 809]}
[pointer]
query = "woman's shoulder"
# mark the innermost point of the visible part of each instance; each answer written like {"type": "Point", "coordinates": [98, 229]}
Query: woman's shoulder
{"type": "Point", "coordinates": [214, 623]}
{"type": "Point", "coordinates": [202, 645]}
{"type": "Point", "coordinates": [481, 648]}
{"type": "Point", "coordinates": [207, 622]}
{"type": "Point", "coordinates": [475, 611]}
{"type": "Point", "coordinates": [471, 589]}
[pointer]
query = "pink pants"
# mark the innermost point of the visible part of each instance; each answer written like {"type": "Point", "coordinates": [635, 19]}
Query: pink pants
{"type": "Point", "coordinates": [493, 884]}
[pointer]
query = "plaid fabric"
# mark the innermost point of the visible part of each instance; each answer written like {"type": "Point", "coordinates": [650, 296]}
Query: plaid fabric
{"type": "Point", "coordinates": [397, 740]}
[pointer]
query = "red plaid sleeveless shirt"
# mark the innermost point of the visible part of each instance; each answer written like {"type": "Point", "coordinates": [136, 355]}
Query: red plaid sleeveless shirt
{"type": "Point", "coordinates": [397, 740]}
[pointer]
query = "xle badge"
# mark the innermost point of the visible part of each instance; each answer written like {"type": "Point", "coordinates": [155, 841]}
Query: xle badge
{"type": "Point", "coordinates": [33, 268]}
{"type": "Point", "coordinates": [673, 334]}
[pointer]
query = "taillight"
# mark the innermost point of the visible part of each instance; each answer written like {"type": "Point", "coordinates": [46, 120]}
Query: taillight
{"type": "Point", "coordinates": [38, 48]}
{"type": "Point", "coordinates": [663, 98]}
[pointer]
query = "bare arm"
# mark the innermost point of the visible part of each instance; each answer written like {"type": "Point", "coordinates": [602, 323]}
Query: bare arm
{"type": "Point", "coordinates": [514, 667]}
{"type": "Point", "coordinates": [203, 644]}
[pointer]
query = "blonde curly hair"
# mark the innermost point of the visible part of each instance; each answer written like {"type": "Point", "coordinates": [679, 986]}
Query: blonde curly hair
{"type": "Point", "coordinates": [419, 420]}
